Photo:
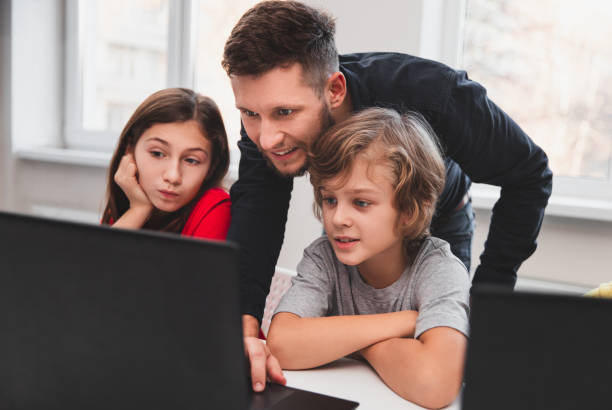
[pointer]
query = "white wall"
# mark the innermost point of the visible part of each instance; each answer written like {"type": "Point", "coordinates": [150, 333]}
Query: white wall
{"type": "Point", "coordinates": [571, 250]}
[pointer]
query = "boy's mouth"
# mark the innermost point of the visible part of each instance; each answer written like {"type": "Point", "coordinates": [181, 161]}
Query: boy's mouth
{"type": "Point", "coordinates": [344, 243]}
{"type": "Point", "coordinates": [344, 239]}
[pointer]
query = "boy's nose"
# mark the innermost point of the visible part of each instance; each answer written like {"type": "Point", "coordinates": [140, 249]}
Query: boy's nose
{"type": "Point", "coordinates": [341, 216]}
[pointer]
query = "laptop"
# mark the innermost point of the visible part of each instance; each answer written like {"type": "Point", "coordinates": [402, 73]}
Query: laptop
{"type": "Point", "coordinates": [538, 351]}
{"type": "Point", "coordinates": [98, 318]}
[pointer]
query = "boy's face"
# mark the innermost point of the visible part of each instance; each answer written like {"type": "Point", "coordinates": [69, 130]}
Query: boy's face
{"type": "Point", "coordinates": [282, 115]}
{"type": "Point", "coordinates": [360, 219]}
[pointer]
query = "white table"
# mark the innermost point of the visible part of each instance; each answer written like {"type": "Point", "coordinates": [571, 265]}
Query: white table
{"type": "Point", "coordinates": [352, 380]}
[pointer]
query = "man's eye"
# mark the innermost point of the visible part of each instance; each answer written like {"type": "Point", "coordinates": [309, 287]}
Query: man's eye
{"type": "Point", "coordinates": [283, 112]}
{"type": "Point", "coordinates": [362, 204]}
{"type": "Point", "coordinates": [249, 113]}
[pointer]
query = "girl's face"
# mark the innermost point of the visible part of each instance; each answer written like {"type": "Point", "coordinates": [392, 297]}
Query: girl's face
{"type": "Point", "coordinates": [172, 161]}
{"type": "Point", "coordinates": [361, 221]}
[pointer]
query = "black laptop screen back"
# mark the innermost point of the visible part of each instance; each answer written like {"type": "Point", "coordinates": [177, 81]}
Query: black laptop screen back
{"type": "Point", "coordinates": [93, 317]}
{"type": "Point", "coordinates": [535, 351]}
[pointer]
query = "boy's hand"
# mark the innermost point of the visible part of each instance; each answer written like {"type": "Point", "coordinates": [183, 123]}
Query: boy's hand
{"type": "Point", "coordinates": [262, 363]}
{"type": "Point", "coordinates": [126, 178]}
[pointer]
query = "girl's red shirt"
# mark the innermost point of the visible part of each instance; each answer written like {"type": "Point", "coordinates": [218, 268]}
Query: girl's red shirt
{"type": "Point", "coordinates": [210, 218]}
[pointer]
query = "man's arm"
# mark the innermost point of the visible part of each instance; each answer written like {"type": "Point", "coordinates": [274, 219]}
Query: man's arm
{"type": "Point", "coordinates": [427, 371]}
{"type": "Point", "coordinates": [491, 148]}
{"type": "Point", "coordinates": [303, 343]}
{"type": "Point", "coordinates": [260, 200]}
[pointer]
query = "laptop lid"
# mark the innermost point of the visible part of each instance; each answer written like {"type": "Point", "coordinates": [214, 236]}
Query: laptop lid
{"type": "Point", "coordinates": [94, 317]}
{"type": "Point", "coordinates": [98, 318]}
{"type": "Point", "coordinates": [538, 351]}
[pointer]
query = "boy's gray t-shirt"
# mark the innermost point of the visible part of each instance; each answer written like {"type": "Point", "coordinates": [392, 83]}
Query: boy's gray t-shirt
{"type": "Point", "coordinates": [436, 285]}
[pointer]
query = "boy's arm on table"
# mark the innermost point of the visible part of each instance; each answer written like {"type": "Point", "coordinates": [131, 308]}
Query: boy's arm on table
{"type": "Point", "coordinates": [302, 343]}
{"type": "Point", "coordinates": [427, 371]}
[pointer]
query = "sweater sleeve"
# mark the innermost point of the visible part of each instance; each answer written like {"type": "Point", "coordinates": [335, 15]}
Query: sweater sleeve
{"type": "Point", "coordinates": [260, 201]}
{"type": "Point", "coordinates": [491, 148]}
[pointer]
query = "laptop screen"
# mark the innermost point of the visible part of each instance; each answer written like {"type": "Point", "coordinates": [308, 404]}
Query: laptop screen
{"type": "Point", "coordinates": [94, 317]}
{"type": "Point", "coordinates": [538, 351]}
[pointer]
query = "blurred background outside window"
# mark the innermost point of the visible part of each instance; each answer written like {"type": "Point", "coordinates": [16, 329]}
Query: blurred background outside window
{"type": "Point", "coordinates": [548, 63]}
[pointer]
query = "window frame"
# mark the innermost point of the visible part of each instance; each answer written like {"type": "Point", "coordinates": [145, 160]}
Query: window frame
{"type": "Point", "coordinates": [180, 70]}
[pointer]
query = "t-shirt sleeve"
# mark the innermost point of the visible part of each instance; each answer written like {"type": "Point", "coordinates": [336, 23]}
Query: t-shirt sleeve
{"type": "Point", "coordinates": [442, 294]}
{"type": "Point", "coordinates": [312, 287]}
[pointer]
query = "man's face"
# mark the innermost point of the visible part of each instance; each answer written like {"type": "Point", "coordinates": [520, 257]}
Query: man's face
{"type": "Point", "coordinates": [282, 115]}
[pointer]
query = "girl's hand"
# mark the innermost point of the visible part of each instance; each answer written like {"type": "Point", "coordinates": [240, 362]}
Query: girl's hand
{"type": "Point", "coordinates": [126, 178]}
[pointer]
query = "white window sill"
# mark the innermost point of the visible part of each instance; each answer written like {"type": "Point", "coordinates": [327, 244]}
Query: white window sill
{"type": "Point", "coordinates": [66, 156]}
{"type": "Point", "coordinates": [484, 197]}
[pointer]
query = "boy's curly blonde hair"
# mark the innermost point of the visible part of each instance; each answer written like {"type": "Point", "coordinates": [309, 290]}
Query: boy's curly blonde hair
{"type": "Point", "coordinates": [403, 142]}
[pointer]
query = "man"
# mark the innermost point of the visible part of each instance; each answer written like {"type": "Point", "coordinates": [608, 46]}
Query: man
{"type": "Point", "coordinates": [290, 86]}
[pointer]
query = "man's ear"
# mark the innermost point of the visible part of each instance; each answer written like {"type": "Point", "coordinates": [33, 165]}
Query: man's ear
{"type": "Point", "coordinates": [336, 89]}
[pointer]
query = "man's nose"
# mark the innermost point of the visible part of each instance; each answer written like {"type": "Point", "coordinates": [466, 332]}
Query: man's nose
{"type": "Point", "coordinates": [270, 136]}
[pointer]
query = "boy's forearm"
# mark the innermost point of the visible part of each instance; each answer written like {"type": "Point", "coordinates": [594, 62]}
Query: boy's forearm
{"type": "Point", "coordinates": [428, 374]}
{"type": "Point", "coordinates": [302, 343]}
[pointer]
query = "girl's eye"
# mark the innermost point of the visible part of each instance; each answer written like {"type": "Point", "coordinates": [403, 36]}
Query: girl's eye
{"type": "Point", "coordinates": [329, 201]}
{"type": "Point", "coordinates": [283, 112]}
{"type": "Point", "coordinates": [157, 154]}
{"type": "Point", "coordinates": [192, 161]}
{"type": "Point", "coordinates": [362, 204]}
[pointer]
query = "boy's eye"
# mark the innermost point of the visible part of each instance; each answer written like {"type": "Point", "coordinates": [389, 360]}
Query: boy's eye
{"type": "Point", "coordinates": [283, 112]}
{"type": "Point", "coordinates": [362, 204]}
{"type": "Point", "coordinates": [329, 201]}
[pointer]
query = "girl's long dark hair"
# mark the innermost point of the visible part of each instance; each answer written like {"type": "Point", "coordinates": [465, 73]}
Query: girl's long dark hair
{"type": "Point", "coordinates": [166, 106]}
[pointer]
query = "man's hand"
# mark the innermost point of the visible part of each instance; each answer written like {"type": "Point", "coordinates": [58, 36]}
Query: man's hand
{"type": "Point", "coordinates": [261, 361]}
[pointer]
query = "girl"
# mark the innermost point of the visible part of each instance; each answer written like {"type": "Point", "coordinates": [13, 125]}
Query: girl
{"type": "Point", "coordinates": [167, 169]}
{"type": "Point", "coordinates": [378, 285]}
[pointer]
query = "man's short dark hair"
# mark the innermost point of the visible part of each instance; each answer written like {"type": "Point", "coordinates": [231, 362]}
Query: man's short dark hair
{"type": "Point", "coordinates": [279, 33]}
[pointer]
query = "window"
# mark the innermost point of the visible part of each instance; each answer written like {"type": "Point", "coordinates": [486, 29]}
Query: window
{"type": "Point", "coordinates": [215, 22]}
{"type": "Point", "coordinates": [547, 64]}
{"type": "Point", "coordinates": [119, 52]}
